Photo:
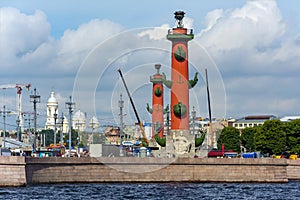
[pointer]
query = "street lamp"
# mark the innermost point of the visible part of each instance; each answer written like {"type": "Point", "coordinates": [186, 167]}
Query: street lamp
{"type": "Point", "coordinates": [4, 113]}
{"type": "Point", "coordinates": [4, 125]}
{"type": "Point", "coordinates": [34, 98]}
{"type": "Point", "coordinates": [29, 122]}
{"type": "Point", "coordinates": [62, 129]}
{"type": "Point", "coordinates": [168, 122]}
{"type": "Point", "coordinates": [54, 139]}
{"type": "Point", "coordinates": [193, 118]}
{"type": "Point", "coordinates": [70, 105]}
{"type": "Point", "coordinates": [94, 124]}
{"type": "Point", "coordinates": [18, 129]}
{"type": "Point", "coordinates": [121, 106]}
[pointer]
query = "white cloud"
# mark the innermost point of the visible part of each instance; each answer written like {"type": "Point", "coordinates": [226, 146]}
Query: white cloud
{"type": "Point", "coordinates": [87, 36]}
{"type": "Point", "coordinates": [257, 55]}
{"type": "Point", "coordinates": [26, 41]}
{"type": "Point", "coordinates": [157, 33]}
{"type": "Point", "coordinates": [28, 53]}
{"type": "Point", "coordinates": [289, 49]}
{"type": "Point", "coordinates": [250, 44]}
{"type": "Point", "coordinates": [188, 22]}
{"type": "Point", "coordinates": [256, 24]}
{"type": "Point", "coordinates": [75, 45]}
{"type": "Point", "coordinates": [21, 34]}
{"type": "Point", "coordinates": [211, 19]}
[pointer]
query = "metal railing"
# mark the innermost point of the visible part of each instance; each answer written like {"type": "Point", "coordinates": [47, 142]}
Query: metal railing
{"type": "Point", "coordinates": [188, 31]}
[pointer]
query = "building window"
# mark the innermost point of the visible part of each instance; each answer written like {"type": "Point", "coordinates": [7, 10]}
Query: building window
{"type": "Point", "coordinates": [245, 125]}
{"type": "Point", "coordinates": [250, 125]}
{"type": "Point", "coordinates": [254, 124]}
{"type": "Point", "coordinates": [240, 125]}
{"type": "Point", "coordinates": [235, 125]}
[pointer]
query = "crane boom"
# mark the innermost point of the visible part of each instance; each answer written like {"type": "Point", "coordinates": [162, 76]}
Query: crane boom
{"type": "Point", "coordinates": [212, 138]}
{"type": "Point", "coordinates": [134, 109]}
{"type": "Point", "coordinates": [7, 86]}
{"type": "Point", "coordinates": [19, 88]}
{"type": "Point", "coordinates": [10, 86]}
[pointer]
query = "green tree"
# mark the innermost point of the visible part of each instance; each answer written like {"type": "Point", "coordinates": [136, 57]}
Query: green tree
{"type": "Point", "coordinates": [49, 138]}
{"type": "Point", "coordinates": [48, 134]}
{"type": "Point", "coordinates": [270, 137]}
{"type": "Point", "coordinates": [73, 138]}
{"type": "Point", "coordinates": [292, 131]}
{"type": "Point", "coordinates": [230, 137]}
{"type": "Point", "coordinates": [248, 139]}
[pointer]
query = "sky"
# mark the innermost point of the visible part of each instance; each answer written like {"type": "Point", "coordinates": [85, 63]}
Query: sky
{"type": "Point", "coordinates": [251, 50]}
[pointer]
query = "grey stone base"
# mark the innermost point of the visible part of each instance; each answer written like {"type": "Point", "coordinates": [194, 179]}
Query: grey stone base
{"type": "Point", "coordinates": [180, 143]}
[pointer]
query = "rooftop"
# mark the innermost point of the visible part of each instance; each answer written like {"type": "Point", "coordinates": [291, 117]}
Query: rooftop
{"type": "Point", "coordinates": [255, 118]}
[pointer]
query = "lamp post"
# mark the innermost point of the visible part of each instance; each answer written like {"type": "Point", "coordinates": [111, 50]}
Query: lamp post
{"type": "Point", "coordinates": [54, 139]}
{"type": "Point", "coordinates": [18, 129]}
{"type": "Point", "coordinates": [28, 119]}
{"type": "Point", "coordinates": [93, 124]}
{"type": "Point", "coordinates": [70, 105]}
{"type": "Point", "coordinates": [168, 122]}
{"type": "Point", "coordinates": [4, 113]}
{"type": "Point", "coordinates": [34, 98]}
{"type": "Point", "coordinates": [62, 129]}
{"type": "Point", "coordinates": [4, 125]}
{"type": "Point", "coordinates": [121, 106]}
{"type": "Point", "coordinates": [193, 118]}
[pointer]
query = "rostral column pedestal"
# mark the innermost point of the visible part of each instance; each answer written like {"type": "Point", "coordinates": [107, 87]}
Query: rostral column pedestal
{"type": "Point", "coordinates": [182, 140]}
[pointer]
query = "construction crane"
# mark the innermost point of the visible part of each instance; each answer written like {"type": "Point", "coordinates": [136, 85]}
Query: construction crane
{"type": "Point", "coordinates": [19, 88]}
{"type": "Point", "coordinates": [134, 109]}
{"type": "Point", "coordinates": [212, 134]}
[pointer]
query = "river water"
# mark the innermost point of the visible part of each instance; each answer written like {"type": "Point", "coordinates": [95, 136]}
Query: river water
{"type": "Point", "coordinates": [153, 191]}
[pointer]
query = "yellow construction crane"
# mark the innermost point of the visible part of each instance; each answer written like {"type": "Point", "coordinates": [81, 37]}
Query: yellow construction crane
{"type": "Point", "coordinates": [134, 109]}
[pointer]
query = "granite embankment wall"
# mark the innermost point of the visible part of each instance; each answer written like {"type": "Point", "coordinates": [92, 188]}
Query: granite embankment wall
{"type": "Point", "coordinates": [293, 169]}
{"type": "Point", "coordinates": [12, 171]}
{"type": "Point", "coordinates": [18, 171]}
{"type": "Point", "coordinates": [57, 170]}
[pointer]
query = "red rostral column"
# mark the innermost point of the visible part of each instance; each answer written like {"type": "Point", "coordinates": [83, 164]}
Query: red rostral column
{"type": "Point", "coordinates": [180, 84]}
{"type": "Point", "coordinates": [157, 110]}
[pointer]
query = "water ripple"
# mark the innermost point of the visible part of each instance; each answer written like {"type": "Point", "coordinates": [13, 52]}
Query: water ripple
{"type": "Point", "coordinates": [155, 191]}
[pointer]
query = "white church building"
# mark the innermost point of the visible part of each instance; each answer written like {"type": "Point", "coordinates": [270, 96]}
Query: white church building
{"type": "Point", "coordinates": [52, 109]}
{"type": "Point", "coordinates": [79, 120]}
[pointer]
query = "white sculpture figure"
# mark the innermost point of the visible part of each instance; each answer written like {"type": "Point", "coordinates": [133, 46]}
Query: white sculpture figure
{"type": "Point", "coordinates": [181, 144]}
